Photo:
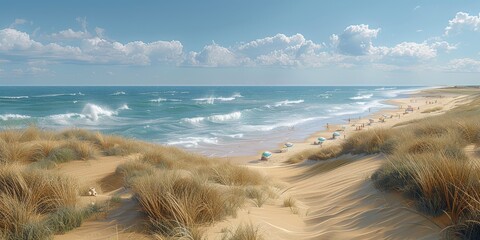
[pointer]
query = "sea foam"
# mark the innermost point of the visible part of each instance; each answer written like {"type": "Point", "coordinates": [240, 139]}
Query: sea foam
{"type": "Point", "coordinates": [365, 96]}
{"type": "Point", "coordinates": [286, 103]}
{"type": "Point", "coordinates": [6, 117]}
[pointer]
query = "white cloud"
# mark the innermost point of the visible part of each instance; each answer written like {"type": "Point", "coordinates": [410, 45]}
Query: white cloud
{"type": "Point", "coordinates": [71, 34]}
{"type": "Point", "coordinates": [214, 55]}
{"type": "Point", "coordinates": [17, 22]}
{"type": "Point", "coordinates": [353, 47]}
{"type": "Point", "coordinates": [355, 40]}
{"type": "Point", "coordinates": [92, 50]}
{"type": "Point", "coordinates": [416, 8]}
{"type": "Point", "coordinates": [412, 50]}
{"type": "Point", "coordinates": [463, 65]}
{"type": "Point", "coordinates": [279, 50]}
{"type": "Point", "coordinates": [11, 39]}
{"type": "Point", "coordinates": [461, 21]}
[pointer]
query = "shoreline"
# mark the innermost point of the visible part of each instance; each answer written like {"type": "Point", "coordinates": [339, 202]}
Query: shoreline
{"type": "Point", "coordinates": [398, 107]}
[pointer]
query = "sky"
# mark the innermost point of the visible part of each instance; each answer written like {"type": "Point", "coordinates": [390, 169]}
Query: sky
{"type": "Point", "coordinates": [249, 42]}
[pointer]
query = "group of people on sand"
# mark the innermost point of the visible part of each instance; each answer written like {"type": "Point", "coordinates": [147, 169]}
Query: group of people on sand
{"type": "Point", "coordinates": [360, 127]}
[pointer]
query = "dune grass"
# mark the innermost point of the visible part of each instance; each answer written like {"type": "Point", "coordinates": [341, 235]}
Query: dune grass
{"type": "Point", "coordinates": [243, 232]}
{"type": "Point", "coordinates": [181, 192]}
{"type": "Point", "coordinates": [49, 148]}
{"type": "Point", "coordinates": [426, 161]}
{"type": "Point", "coordinates": [35, 203]}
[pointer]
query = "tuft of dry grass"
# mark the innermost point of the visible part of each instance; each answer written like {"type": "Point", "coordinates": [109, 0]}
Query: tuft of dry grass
{"type": "Point", "coordinates": [372, 141]}
{"type": "Point", "coordinates": [182, 191]}
{"type": "Point", "coordinates": [243, 232]}
{"type": "Point", "coordinates": [228, 174]}
{"type": "Point", "coordinates": [28, 199]}
{"type": "Point", "coordinates": [172, 200]}
{"type": "Point", "coordinates": [323, 153]}
{"type": "Point", "coordinates": [83, 150]}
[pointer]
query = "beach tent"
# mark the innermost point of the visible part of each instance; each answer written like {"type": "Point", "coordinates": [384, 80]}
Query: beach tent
{"type": "Point", "coordinates": [266, 155]}
{"type": "Point", "coordinates": [321, 139]}
{"type": "Point", "coordinates": [336, 134]}
{"type": "Point", "coordinates": [288, 144]}
{"type": "Point", "coordinates": [371, 120]}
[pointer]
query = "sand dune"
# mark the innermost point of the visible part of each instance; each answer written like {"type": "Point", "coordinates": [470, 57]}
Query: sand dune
{"type": "Point", "coordinates": [340, 203]}
{"type": "Point", "coordinates": [334, 199]}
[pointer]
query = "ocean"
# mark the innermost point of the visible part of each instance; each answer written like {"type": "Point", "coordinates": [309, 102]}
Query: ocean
{"type": "Point", "coordinates": [216, 121]}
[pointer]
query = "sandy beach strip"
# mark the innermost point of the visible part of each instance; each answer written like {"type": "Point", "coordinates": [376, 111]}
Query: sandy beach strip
{"type": "Point", "coordinates": [338, 200]}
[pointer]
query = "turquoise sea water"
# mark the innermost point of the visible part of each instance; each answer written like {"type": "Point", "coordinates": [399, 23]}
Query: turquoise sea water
{"type": "Point", "coordinates": [212, 120]}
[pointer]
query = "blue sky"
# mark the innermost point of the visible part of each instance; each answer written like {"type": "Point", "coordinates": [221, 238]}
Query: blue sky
{"type": "Point", "coordinates": [239, 42]}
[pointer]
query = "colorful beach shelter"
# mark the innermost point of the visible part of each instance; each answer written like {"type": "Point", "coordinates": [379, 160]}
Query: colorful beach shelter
{"type": "Point", "coordinates": [336, 134]}
{"type": "Point", "coordinates": [266, 154]}
{"type": "Point", "coordinates": [322, 139]}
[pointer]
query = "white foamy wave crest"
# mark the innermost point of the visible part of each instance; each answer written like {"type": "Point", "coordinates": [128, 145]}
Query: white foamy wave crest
{"type": "Point", "coordinates": [158, 100]}
{"type": "Point", "coordinates": [286, 103]}
{"type": "Point", "coordinates": [285, 124]}
{"type": "Point", "coordinates": [6, 117]}
{"type": "Point", "coordinates": [60, 95]}
{"type": "Point", "coordinates": [237, 95]}
{"type": "Point", "coordinates": [93, 112]}
{"type": "Point", "coordinates": [211, 99]}
{"type": "Point", "coordinates": [124, 107]}
{"type": "Point", "coordinates": [366, 96]}
{"type": "Point", "coordinates": [238, 135]}
{"type": "Point", "coordinates": [324, 95]}
{"type": "Point", "coordinates": [65, 119]}
{"type": "Point", "coordinates": [118, 93]}
{"type": "Point", "coordinates": [193, 141]}
{"type": "Point", "coordinates": [225, 117]}
{"type": "Point", "coordinates": [195, 120]}
{"type": "Point", "coordinates": [13, 97]}
{"type": "Point", "coordinates": [385, 88]}
{"type": "Point", "coordinates": [214, 118]}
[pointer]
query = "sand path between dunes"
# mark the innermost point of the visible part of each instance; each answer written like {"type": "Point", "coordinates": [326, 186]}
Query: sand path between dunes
{"type": "Point", "coordinates": [334, 201]}
{"type": "Point", "coordinates": [340, 203]}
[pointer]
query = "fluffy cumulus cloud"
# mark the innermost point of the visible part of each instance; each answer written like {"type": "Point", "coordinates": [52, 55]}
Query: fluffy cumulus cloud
{"type": "Point", "coordinates": [464, 65]}
{"type": "Point", "coordinates": [91, 50]}
{"type": "Point", "coordinates": [352, 47]}
{"type": "Point", "coordinates": [98, 50]}
{"type": "Point", "coordinates": [413, 52]}
{"type": "Point", "coordinates": [355, 40]}
{"type": "Point", "coordinates": [461, 21]}
{"type": "Point", "coordinates": [278, 50]}
{"type": "Point", "coordinates": [213, 55]}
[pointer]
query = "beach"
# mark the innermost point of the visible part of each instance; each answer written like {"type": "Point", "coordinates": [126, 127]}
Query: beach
{"type": "Point", "coordinates": [338, 202]}
{"type": "Point", "coordinates": [287, 196]}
